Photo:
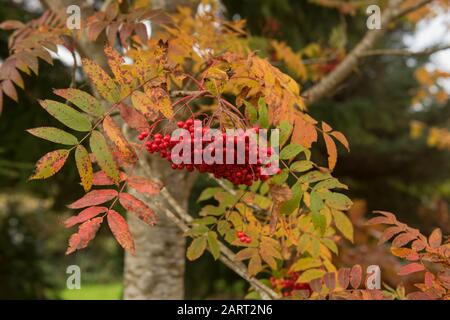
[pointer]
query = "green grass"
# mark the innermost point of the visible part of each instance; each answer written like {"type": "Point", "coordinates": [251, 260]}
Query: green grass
{"type": "Point", "coordinates": [111, 291]}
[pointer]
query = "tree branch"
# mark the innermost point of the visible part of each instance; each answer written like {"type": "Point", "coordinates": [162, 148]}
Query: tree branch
{"type": "Point", "coordinates": [331, 82]}
{"type": "Point", "coordinates": [404, 52]}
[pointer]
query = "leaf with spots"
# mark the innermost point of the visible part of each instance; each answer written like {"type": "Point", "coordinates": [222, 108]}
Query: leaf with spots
{"type": "Point", "coordinates": [106, 86]}
{"type": "Point", "coordinates": [160, 101]}
{"type": "Point", "coordinates": [138, 208]}
{"type": "Point", "coordinates": [104, 156]}
{"type": "Point", "coordinates": [82, 100]}
{"type": "Point", "coordinates": [50, 164]}
{"type": "Point", "coordinates": [141, 102]}
{"type": "Point", "coordinates": [54, 135]}
{"type": "Point", "coordinates": [94, 198]}
{"type": "Point", "coordinates": [120, 230]}
{"type": "Point", "coordinates": [84, 215]}
{"type": "Point", "coordinates": [67, 115]}
{"type": "Point", "coordinates": [114, 133]}
{"type": "Point", "coordinates": [84, 166]}
{"type": "Point", "coordinates": [86, 232]}
{"type": "Point", "coordinates": [133, 118]}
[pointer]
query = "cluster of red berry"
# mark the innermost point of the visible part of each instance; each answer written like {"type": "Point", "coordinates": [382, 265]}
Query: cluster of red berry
{"type": "Point", "coordinates": [243, 237]}
{"type": "Point", "coordinates": [244, 173]}
{"type": "Point", "coordinates": [288, 285]}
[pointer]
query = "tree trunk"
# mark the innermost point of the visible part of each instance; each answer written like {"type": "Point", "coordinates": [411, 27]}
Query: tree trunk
{"type": "Point", "coordinates": [157, 269]}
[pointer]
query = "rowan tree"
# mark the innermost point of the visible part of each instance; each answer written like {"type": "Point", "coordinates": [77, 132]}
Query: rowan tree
{"type": "Point", "coordinates": [280, 231]}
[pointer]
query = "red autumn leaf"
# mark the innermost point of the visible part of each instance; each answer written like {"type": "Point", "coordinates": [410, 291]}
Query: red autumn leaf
{"type": "Point", "coordinates": [94, 198]}
{"type": "Point", "coordinates": [331, 149]}
{"type": "Point", "coordinates": [411, 268]}
{"type": "Point", "coordinates": [435, 238]}
{"type": "Point", "coordinates": [84, 215]}
{"type": "Point", "coordinates": [344, 277]}
{"type": "Point", "coordinates": [378, 220]}
{"type": "Point", "coordinates": [86, 232]}
{"type": "Point", "coordinates": [114, 133]}
{"type": "Point", "coordinates": [389, 233]}
{"type": "Point", "coordinates": [120, 230]}
{"type": "Point", "coordinates": [137, 207]}
{"type": "Point", "coordinates": [356, 276]}
{"type": "Point", "coordinates": [341, 138]}
{"type": "Point", "coordinates": [144, 185]}
{"type": "Point", "coordinates": [101, 179]}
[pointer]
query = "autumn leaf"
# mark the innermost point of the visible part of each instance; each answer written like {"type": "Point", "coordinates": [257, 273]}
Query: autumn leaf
{"type": "Point", "coordinates": [120, 230]}
{"type": "Point", "coordinates": [142, 103]}
{"type": "Point", "coordinates": [403, 239]}
{"type": "Point", "coordinates": [213, 244]}
{"type": "Point", "coordinates": [332, 151]}
{"type": "Point", "coordinates": [254, 265]}
{"type": "Point", "coordinates": [67, 115]}
{"type": "Point", "coordinates": [137, 207]}
{"type": "Point", "coordinates": [341, 138]}
{"type": "Point", "coordinates": [304, 132]}
{"type": "Point", "coordinates": [144, 185]}
{"type": "Point", "coordinates": [355, 276]}
{"type": "Point", "coordinates": [104, 156]}
{"type": "Point", "coordinates": [106, 86]}
{"type": "Point", "coordinates": [410, 268]}
{"type": "Point", "coordinates": [84, 166]}
{"type": "Point", "coordinates": [196, 248]}
{"type": "Point", "coordinates": [101, 179]}
{"type": "Point", "coordinates": [343, 224]}
{"type": "Point", "coordinates": [114, 133]}
{"type": "Point", "coordinates": [50, 164]}
{"type": "Point", "coordinates": [54, 135]}
{"type": "Point", "coordinates": [160, 101]}
{"type": "Point", "coordinates": [133, 118]}
{"type": "Point", "coordinates": [245, 254]}
{"type": "Point", "coordinates": [435, 238]}
{"type": "Point", "coordinates": [82, 100]}
{"type": "Point", "coordinates": [84, 215]}
{"type": "Point", "coordinates": [310, 275]}
{"type": "Point", "coordinates": [86, 232]}
{"type": "Point", "coordinates": [94, 198]}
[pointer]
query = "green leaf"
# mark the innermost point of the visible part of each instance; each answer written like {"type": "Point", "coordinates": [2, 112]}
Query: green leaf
{"type": "Point", "coordinates": [213, 245]}
{"type": "Point", "coordinates": [196, 231]}
{"type": "Point", "coordinates": [54, 135]}
{"type": "Point", "coordinates": [196, 249]}
{"type": "Point", "coordinates": [84, 166]}
{"type": "Point", "coordinates": [319, 221]}
{"type": "Point", "coordinates": [338, 201]}
{"type": "Point", "coordinates": [104, 156]}
{"type": "Point", "coordinates": [208, 193]}
{"type": "Point", "coordinates": [330, 184]}
{"type": "Point", "coordinates": [82, 100]}
{"type": "Point", "coordinates": [343, 224]}
{"type": "Point", "coordinates": [291, 151]}
{"type": "Point", "coordinates": [316, 202]}
{"type": "Point", "coordinates": [285, 131]}
{"type": "Point", "coordinates": [50, 164]}
{"type": "Point", "coordinates": [250, 112]}
{"type": "Point", "coordinates": [313, 176]}
{"type": "Point", "coordinates": [301, 166]}
{"type": "Point", "coordinates": [263, 115]}
{"type": "Point", "coordinates": [205, 221]}
{"type": "Point", "coordinates": [67, 115]}
{"type": "Point", "coordinates": [210, 210]}
{"type": "Point", "coordinates": [223, 227]}
{"type": "Point", "coordinates": [280, 178]}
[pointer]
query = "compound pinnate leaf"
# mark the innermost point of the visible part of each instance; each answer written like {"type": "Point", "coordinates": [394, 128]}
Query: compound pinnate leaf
{"type": "Point", "coordinates": [84, 215]}
{"type": "Point", "coordinates": [144, 185]}
{"type": "Point", "coordinates": [120, 230]}
{"type": "Point", "coordinates": [54, 135]}
{"type": "Point", "coordinates": [50, 164]}
{"type": "Point", "coordinates": [104, 156]}
{"type": "Point", "coordinates": [104, 84]}
{"type": "Point", "coordinates": [67, 115]}
{"type": "Point", "coordinates": [86, 232]}
{"type": "Point", "coordinates": [196, 248]}
{"type": "Point", "coordinates": [84, 166]}
{"type": "Point", "coordinates": [94, 198]}
{"type": "Point", "coordinates": [137, 207]}
{"type": "Point", "coordinates": [82, 100]}
{"type": "Point", "coordinates": [114, 133]}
